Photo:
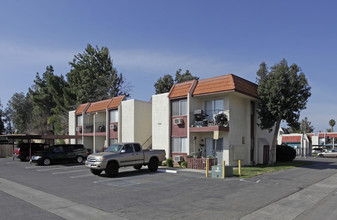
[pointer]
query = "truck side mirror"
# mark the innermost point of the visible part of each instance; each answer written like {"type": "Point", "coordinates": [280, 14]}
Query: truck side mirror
{"type": "Point", "coordinates": [123, 151]}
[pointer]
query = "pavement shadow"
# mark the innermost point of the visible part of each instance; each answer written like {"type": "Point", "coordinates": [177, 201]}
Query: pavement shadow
{"type": "Point", "coordinates": [130, 173]}
{"type": "Point", "coordinates": [319, 163]}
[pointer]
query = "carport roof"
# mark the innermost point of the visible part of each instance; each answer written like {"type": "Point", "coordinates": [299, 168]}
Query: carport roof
{"type": "Point", "coordinates": [38, 136]}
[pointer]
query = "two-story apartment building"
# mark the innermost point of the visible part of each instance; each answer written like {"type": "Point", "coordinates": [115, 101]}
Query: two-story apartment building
{"type": "Point", "coordinates": [211, 117]}
{"type": "Point", "coordinates": [110, 121]}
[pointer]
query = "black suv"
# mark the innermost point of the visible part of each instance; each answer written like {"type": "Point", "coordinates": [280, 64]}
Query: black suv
{"type": "Point", "coordinates": [22, 151]}
{"type": "Point", "coordinates": [61, 153]}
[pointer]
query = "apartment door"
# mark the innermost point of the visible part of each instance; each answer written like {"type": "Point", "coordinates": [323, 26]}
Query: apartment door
{"type": "Point", "coordinates": [215, 146]}
{"type": "Point", "coordinates": [265, 154]}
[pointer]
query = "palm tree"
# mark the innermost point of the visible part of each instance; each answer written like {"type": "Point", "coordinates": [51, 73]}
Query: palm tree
{"type": "Point", "coordinates": [332, 123]}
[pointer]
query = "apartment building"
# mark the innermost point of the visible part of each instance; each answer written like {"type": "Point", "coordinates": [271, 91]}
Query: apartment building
{"type": "Point", "coordinates": [214, 117]}
{"type": "Point", "coordinates": [110, 121]}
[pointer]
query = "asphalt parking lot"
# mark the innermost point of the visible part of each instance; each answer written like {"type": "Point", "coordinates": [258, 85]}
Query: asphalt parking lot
{"type": "Point", "coordinates": [147, 195]}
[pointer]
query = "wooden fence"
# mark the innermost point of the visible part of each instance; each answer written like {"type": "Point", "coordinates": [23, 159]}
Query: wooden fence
{"type": "Point", "coordinates": [200, 163]}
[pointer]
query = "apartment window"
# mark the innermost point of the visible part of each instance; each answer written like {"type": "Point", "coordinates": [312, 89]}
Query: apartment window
{"type": "Point", "coordinates": [179, 145]}
{"type": "Point", "coordinates": [113, 116]}
{"type": "Point", "coordinates": [213, 107]}
{"type": "Point", "coordinates": [79, 120]}
{"type": "Point", "coordinates": [179, 107]}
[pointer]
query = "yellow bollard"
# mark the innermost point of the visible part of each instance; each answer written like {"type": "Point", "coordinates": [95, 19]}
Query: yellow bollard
{"type": "Point", "coordinates": [239, 167]}
{"type": "Point", "coordinates": [223, 170]}
{"type": "Point", "coordinates": [207, 167]}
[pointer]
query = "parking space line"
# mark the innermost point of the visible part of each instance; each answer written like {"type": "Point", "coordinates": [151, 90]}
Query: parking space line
{"type": "Point", "coordinates": [57, 168]}
{"type": "Point", "coordinates": [80, 176]}
{"type": "Point", "coordinates": [101, 181]}
{"type": "Point", "coordinates": [71, 171]}
{"type": "Point", "coordinates": [31, 167]}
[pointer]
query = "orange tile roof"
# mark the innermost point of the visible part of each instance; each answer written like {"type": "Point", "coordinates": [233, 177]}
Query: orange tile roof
{"type": "Point", "coordinates": [81, 108]}
{"type": "Point", "coordinates": [116, 101]}
{"type": "Point", "coordinates": [180, 90]}
{"type": "Point", "coordinates": [291, 138]}
{"type": "Point", "coordinates": [225, 83]}
{"type": "Point", "coordinates": [98, 106]}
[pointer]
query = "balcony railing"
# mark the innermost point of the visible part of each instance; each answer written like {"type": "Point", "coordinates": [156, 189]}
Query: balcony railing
{"type": "Point", "coordinates": [88, 127]}
{"type": "Point", "coordinates": [201, 118]}
{"type": "Point", "coordinates": [100, 127]}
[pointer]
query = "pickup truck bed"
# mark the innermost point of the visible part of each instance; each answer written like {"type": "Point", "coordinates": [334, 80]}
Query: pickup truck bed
{"type": "Point", "coordinates": [122, 155]}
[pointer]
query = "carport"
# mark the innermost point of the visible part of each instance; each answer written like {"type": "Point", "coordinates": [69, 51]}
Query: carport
{"type": "Point", "coordinates": [29, 137]}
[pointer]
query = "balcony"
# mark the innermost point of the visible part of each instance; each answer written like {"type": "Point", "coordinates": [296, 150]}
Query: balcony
{"type": "Point", "coordinates": [88, 128]}
{"type": "Point", "coordinates": [100, 128]}
{"type": "Point", "coordinates": [202, 122]}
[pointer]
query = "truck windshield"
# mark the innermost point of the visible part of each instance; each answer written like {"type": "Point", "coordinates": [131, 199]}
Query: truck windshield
{"type": "Point", "coordinates": [114, 148]}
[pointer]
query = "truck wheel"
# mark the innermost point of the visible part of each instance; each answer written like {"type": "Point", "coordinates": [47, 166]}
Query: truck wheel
{"type": "Point", "coordinates": [153, 164]}
{"type": "Point", "coordinates": [79, 159]}
{"type": "Point", "coordinates": [46, 162]}
{"type": "Point", "coordinates": [96, 172]}
{"type": "Point", "coordinates": [137, 167]}
{"type": "Point", "coordinates": [111, 169]}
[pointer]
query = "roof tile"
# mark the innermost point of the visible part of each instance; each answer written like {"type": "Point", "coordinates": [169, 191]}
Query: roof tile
{"type": "Point", "coordinates": [98, 106]}
{"type": "Point", "coordinates": [115, 102]}
{"type": "Point", "coordinates": [180, 90]}
{"type": "Point", "coordinates": [81, 108]}
{"type": "Point", "coordinates": [225, 83]}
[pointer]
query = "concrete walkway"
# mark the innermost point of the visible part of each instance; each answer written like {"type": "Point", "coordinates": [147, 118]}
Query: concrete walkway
{"type": "Point", "coordinates": [297, 203]}
{"type": "Point", "coordinates": [54, 204]}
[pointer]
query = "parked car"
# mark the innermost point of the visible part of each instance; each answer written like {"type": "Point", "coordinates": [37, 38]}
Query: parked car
{"type": "Point", "coordinates": [332, 153]}
{"type": "Point", "coordinates": [61, 153]}
{"type": "Point", "coordinates": [122, 155]}
{"type": "Point", "coordinates": [317, 150]}
{"type": "Point", "coordinates": [22, 150]}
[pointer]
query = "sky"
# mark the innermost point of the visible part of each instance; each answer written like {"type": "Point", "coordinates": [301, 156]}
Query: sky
{"type": "Point", "coordinates": [150, 38]}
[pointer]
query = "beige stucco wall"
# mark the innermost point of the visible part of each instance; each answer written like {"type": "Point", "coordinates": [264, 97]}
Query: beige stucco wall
{"type": "Point", "coordinates": [72, 125]}
{"type": "Point", "coordinates": [161, 123]}
{"type": "Point", "coordinates": [143, 123]}
{"type": "Point", "coordinates": [136, 121]}
{"type": "Point", "coordinates": [128, 121]}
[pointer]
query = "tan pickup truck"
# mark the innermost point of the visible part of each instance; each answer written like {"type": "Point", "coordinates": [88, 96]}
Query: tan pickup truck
{"type": "Point", "coordinates": [122, 155]}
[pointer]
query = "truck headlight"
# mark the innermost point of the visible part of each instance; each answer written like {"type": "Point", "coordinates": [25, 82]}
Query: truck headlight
{"type": "Point", "coordinates": [99, 159]}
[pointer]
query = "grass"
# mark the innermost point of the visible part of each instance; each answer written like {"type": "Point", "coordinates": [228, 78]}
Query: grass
{"type": "Point", "coordinates": [248, 172]}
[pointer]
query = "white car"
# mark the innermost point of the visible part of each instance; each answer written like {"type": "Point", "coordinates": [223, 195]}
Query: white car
{"type": "Point", "coordinates": [332, 153]}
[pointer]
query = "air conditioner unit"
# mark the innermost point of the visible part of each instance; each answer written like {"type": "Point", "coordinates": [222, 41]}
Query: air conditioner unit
{"type": "Point", "coordinates": [113, 127]}
{"type": "Point", "coordinates": [178, 158]}
{"type": "Point", "coordinates": [178, 121]}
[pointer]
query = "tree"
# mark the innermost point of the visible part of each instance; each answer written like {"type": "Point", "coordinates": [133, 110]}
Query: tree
{"type": "Point", "coordinates": [303, 127]}
{"type": "Point", "coordinates": [283, 92]}
{"type": "Point", "coordinates": [2, 126]}
{"type": "Point", "coordinates": [21, 108]}
{"type": "Point", "coordinates": [92, 77]}
{"type": "Point", "coordinates": [332, 124]}
{"type": "Point", "coordinates": [57, 88]}
{"type": "Point", "coordinates": [7, 118]}
{"type": "Point", "coordinates": [43, 102]}
{"type": "Point", "coordinates": [165, 83]}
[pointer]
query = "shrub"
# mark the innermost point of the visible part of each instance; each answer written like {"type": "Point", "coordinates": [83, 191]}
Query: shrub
{"type": "Point", "coordinates": [184, 164]}
{"type": "Point", "coordinates": [285, 153]}
{"type": "Point", "coordinates": [169, 162]}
